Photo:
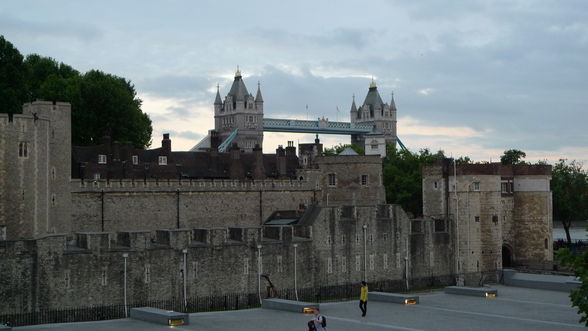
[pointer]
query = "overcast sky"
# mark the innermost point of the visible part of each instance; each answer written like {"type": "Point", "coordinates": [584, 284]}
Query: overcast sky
{"type": "Point", "coordinates": [472, 78]}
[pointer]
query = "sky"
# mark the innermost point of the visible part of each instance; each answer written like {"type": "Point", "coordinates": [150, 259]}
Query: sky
{"type": "Point", "coordinates": [472, 78]}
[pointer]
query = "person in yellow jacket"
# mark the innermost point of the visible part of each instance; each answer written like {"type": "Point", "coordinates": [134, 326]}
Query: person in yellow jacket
{"type": "Point", "coordinates": [363, 297]}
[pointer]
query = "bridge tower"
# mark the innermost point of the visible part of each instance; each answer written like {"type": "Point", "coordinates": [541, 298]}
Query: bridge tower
{"type": "Point", "coordinates": [240, 111]}
{"type": "Point", "coordinates": [374, 111]}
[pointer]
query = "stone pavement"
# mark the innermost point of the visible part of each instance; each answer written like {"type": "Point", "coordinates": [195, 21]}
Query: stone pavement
{"type": "Point", "coordinates": [514, 309]}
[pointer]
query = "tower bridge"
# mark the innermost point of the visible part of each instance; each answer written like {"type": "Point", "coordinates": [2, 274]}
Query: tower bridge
{"type": "Point", "coordinates": [239, 120]}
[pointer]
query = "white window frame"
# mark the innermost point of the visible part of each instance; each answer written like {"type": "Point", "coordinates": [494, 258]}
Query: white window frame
{"type": "Point", "coordinates": [102, 159]}
{"type": "Point", "coordinates": [135, 159]}
{"type": "Point", "coordinates": [162, 160]}
{"type": "Point", "coordinates": [476, 186]}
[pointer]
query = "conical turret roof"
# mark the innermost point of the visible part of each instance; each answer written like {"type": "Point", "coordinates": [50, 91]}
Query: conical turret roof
{"type": "Point", "coordinates": [373, 96]}
{"type": "Point", "coordinates": [238, 90]}
{"type": "Point", "coordinates": [353, 106]}
{"type": "Point", "coordinates": [258, 97]}
{"type": "Point", "coordinates": [392, 103]}
{"type": "Point", "coordinates": [217, 100]}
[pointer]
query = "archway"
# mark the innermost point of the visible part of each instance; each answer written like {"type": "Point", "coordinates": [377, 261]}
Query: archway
{"type": "Point", "coordinates": [506, 257]}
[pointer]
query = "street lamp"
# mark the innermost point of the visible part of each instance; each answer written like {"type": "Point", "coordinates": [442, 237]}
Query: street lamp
{"type": "Point", "coordinates": [185, 251]}
{"type": "Point", "coordinates": [295, 286]}
{"type": "Point", "coordinates": [125, 256]}
{"type": "Point", "coordinates": [259, 272]}
{"type": "Point", "coordinates": [364, 227]}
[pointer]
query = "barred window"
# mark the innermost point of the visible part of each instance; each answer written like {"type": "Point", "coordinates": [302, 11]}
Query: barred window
{"type": "Point", "coordinates": [162, 160]}
{"type": "Point", "coordinates": [102, 159]}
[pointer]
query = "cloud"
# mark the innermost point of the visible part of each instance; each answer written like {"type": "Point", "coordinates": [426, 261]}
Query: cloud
{"type": "Point", "coordinates": [47, 28]}
{"type": "Point", "coordinates": [426, 91]}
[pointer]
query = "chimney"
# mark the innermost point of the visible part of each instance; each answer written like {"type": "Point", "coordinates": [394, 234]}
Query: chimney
{"type": "Point", "coordinates": [290, 150]}
{"type": "Point", "coordinates": [236, 171]}
{"type": "Point", "coordinates": [281, 162]}
{"type": "Point", "coordinates": [166, 144]}
{"type": "Point", "coordinates": [259, 170]}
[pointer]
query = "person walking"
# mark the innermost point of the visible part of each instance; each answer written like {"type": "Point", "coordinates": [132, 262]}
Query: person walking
{"type": "Point", "coordinates": [318, 321]}
{"type": "Point", "coordinates": [363, 298]}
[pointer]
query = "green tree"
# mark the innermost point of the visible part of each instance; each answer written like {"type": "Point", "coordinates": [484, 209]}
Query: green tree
{"type": "Point", "coordinates": [101, 103]}
{"type": "Point", "coordinates": [569, 186]}
{"type": "Point", "coordinates": [513, 157]}
{"type": "Point", "coordinates": [579, 264]}
{"type": "Point", "coordinates": [403, 177]}
{"type": "Point", "coordinates": [108, 105]}
{"type": "Point", "coordinates": [13, 88]}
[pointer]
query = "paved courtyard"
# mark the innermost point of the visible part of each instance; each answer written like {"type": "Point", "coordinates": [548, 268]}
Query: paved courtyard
{"type": "Point", "coordinates": [514, 309]}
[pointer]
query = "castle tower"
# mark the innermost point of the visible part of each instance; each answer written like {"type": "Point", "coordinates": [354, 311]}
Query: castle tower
{"type": "Point", "coordinates": [240, 110]}
{"type": "Point", "coordinates": [35, 170]}
{"type": "Point", "coordinates": [374, 111]}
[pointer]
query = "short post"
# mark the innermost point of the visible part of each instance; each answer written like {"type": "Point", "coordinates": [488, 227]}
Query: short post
{"type": "Point", "coordinates": [295, 284]}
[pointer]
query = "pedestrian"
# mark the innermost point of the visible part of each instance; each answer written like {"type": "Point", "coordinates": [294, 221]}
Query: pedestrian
{"type": "Point", "coordinates": [363, 298]}
{"type": "Point", "coordinates": [319, 321]}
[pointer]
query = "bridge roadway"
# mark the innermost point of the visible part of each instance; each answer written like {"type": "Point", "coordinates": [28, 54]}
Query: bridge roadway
{"type": "Point", "coordinates": [515, 308]}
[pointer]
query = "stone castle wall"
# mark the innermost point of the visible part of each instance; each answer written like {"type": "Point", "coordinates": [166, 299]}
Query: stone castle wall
{"type": "Point", "coordinates": [49, 273]}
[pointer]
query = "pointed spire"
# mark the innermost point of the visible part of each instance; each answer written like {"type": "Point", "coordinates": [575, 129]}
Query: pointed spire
{"type": "Point", "coordinates": [238, 73]}
{"type": "Point", "coordinates": [373, 83]}
{"type": "Point", "coordinates": [392, 103]}
{"type": "Point", "coordinates": [258, 97]}
{"type": "Point", "coordinates": [217, 100]}
{"type": "Point", "coordinates": [353, 106]}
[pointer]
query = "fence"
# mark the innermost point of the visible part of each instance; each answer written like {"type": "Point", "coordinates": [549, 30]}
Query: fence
{"type": "Point", "coordinates": [215, 303]}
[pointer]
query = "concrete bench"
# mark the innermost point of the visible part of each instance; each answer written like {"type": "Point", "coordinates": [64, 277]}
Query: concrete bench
{"type": "Point", "coordinates": [405, 299]}
{"type": "Point", "coordinates": [289, 305]}
{"type": "Point", "coordinates": [543, 282]}
{"type": "Point", "coordinates": [160, 316]}
{"type": "Point", "coordinates": [473, 291]}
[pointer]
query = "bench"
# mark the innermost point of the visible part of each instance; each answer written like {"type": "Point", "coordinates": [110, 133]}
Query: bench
{"type": "Point", "coordinates": [289, 305]}
{"type": "Point", "coordinates": [472, 291]}
{"type": "Point", "coordinates": [160, 316]}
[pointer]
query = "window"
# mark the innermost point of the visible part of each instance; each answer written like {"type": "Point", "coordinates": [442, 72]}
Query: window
{"type": "Point", "coordinates": [23, 149]}
{"type": "Point", "coordinates": [332, 180]}
{"type": "Point", "coordinates": [439, 225]}
{"type": "Point", "coordinates": [357, 263]}
{"type": "Point", "coordinates": [101, 159]}
{"type": "Point", "coordinates": [104, 278]}
{"type": "Point", "coordinates": [329, 240]}
{"type": "Point", "coordinates": [279, 262]}
{"type": "Point", "coordinates": [476, 186]}
{"type": "Point", "coordinates": [374, 146]}
{"type": "Point", "coordinates": [194, 273]}
{"type": "Point", "coordinates": [135, 159]}
{"type": "Point", "coordinates": [329, 265]}
{"type": "Point", "coordinates": [147, 275]}
{"type": "Point", "coordinates": [343, 264]}
{"type": "Point", "coordinates": [97, 176]}
{"type": "Point", "coordinates": [495, 219]}
{"type": "Point", "coordinates": [385, 261]}
{"type": "Point", "coordinates": [2, 232]}
{"type": "Point", "coordinates": [246, 266]}
{"type": "Point", "coordinates": [506, 185]}
{"type": "Point", "coordinates": [477, 218]}
{"type": "Point", "coordinates": [364, 180]}
{"type": "Point", "coordinates": [436, 185]}
{"type": "Point", "coordinates": [66, 279]}
{"type": "Point", "coordinates": [162, 160]}
{"type": "Point", "coordinates": [372, 261]}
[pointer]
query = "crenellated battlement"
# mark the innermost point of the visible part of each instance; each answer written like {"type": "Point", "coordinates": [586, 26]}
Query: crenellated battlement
{"type": "Point", "coordinates": [79, 185]}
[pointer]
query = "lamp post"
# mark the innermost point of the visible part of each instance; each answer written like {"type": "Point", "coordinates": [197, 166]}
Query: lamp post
{"type": "Point", "coordinates": [364, 227]}
{"type": "Point", "coordinates": [185, 251]}
{"type": "Point", "coordinates": [125, 256]}
{"type": "Point", "coordinates": [295, 284]}
{"type": "Point", "coordinates": [259, 272]}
